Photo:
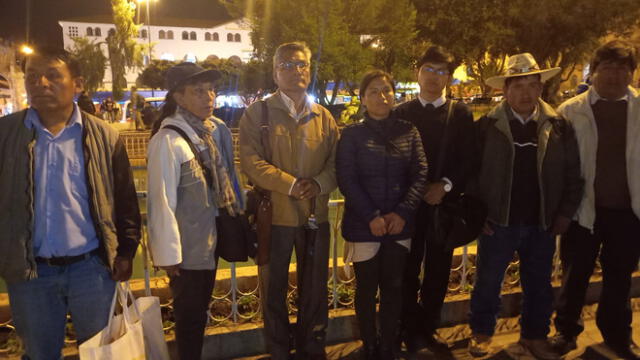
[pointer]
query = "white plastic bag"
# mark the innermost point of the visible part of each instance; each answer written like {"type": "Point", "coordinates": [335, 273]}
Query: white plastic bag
{"type": "Point", "coordinates": [122, 338]}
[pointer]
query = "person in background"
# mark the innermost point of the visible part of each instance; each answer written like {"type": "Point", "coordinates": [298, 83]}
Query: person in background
{"type": "Point", "coordinates": [85, 103]}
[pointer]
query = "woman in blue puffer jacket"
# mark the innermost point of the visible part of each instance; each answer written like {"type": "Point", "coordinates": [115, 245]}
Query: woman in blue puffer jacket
{"type": "Point", "coordinates": [381, 170]}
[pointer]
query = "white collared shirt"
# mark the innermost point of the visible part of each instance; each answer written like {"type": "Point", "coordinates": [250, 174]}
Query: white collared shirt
{"type": "Point", "coordinates": [594, 97]}
{"type": "Point", "coordinates": [436, 103]}
{"type": "Point", "coordinates": [533, 115]}
{"type": "Point", "coordinates": [291, 105]}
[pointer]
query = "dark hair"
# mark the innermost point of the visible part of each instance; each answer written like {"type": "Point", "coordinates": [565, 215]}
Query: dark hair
{"type": "Point", "coordinates": [372, 75]}
{"type": "Point", "coordinates": [55, 53]}
{"type": "Point", "coordinates": [511, 79]}
{"type": "Point", "coordinates": [617, 51]}
{"type": "Point", "coordinates": [438, 55]}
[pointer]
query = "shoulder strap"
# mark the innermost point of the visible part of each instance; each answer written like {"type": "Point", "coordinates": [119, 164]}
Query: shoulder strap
{"type": "Point", "coordinates": [205, 170]}
{"type": "Point", "coordinates": [445, 140]}
{"type": "Point", "coordinates": [264, 131]}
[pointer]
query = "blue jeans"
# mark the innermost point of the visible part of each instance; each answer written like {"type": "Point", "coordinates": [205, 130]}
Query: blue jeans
{"type": "Point", "coordinates": [535, 249]}
{"type": "Point", "coordinates": [40, 306]}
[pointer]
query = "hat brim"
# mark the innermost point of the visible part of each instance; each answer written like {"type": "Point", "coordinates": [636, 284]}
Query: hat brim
{"type": "Point", "coordinates": [210, 75]}
{"type": "Point", "coordinates": [497, 82]}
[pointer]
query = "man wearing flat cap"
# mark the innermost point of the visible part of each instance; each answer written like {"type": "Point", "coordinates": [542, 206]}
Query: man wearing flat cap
{"type": "Point", "coordinates": [529, 177]}
{"type": "Point", "coordinates": [191, 179]}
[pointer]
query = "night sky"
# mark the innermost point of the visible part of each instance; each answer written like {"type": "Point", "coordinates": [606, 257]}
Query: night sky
{"type": "Point", "coordinates": [45, 14]}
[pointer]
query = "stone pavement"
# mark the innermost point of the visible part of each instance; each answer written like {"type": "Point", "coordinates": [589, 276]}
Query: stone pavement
{"type": "Point", "coordinates": [504, 347]}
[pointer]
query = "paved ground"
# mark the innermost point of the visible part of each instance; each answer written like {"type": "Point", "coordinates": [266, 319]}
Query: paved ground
{"type": "Point", "coordinates": [505, 345]}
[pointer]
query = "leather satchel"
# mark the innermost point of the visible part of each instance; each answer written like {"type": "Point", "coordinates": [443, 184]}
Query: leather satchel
{"type": "Point", "coordinates": [457, 221]}
{"type": "Point", "coordinates": [234, 234]}
{"type": "Point", "coordinates": [259, 207]}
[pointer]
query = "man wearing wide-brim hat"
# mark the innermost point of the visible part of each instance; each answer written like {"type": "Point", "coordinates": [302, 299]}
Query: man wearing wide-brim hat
{"type": "Point", "coordinates": [529, 176]}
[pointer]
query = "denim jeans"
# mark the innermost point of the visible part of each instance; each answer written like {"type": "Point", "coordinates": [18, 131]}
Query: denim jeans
{"type": "Point", "coordinates": [40, 306]}
{"type": "Point", "coordinates": [535, 249]}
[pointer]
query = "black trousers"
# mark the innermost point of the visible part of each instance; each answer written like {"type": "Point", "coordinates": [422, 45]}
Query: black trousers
{"type": "Point", "coordinates": [616, 238]}
{"type": "Point", "coordinates": [384, 270]}
{"type": "Point", "coordinates": [423, 316]}
{"type": "Point", "coordinates": [191, 292]}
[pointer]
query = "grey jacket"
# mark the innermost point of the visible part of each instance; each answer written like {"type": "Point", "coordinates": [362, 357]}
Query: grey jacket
{"type": "Point", "coordinates": [560, 182]}
{"type": "Point", "coordinates": [113, 201]}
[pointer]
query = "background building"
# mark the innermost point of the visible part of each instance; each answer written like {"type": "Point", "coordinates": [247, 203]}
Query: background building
{"type": "Point", "coordinates": [171, 39]}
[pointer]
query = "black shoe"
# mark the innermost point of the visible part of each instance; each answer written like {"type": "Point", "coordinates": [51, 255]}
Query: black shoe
{"type": "Point", "coordinates": [387, 354]}
{"type": "Point", "coordinates": [413, 342]}
{"type": "Point", "coordinates": [436, 344]}
{"type": "Point", "coordinates": [624, 351]}
{"type": "Point", "coordinates": [562, 344]}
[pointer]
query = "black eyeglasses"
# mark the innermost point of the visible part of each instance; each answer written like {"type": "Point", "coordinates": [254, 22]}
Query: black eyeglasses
{"type": "Point", "coordinates": [436, 71]}
{"type": "Point", "coordinates": [290, 65]}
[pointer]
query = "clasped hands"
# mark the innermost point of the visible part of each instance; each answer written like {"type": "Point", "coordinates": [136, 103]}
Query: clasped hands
{"type": "Point", "coordinates": [391, 224]}
{"type": "Point", "coordinates": [305, 189]}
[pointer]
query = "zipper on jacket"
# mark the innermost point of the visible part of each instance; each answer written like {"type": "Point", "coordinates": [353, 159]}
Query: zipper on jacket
{"type": "Point", "coordinates": [32, 272]}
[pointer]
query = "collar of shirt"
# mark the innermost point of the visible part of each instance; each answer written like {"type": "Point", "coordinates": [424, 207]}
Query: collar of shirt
{"type": "Point", "coordinates": [32, 120]}
{"type": "Point", "coordinates": [594, 96]}
{"type": "Point", "coordinates": [533, 115]}
{"type": "Point", "coordinates": [291, 105]}
{"type": "Point", "coordinates": [436, 103]}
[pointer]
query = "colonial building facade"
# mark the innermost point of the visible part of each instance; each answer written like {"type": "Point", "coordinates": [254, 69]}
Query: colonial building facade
{"type": "Point", "coordinates": [170, 38]}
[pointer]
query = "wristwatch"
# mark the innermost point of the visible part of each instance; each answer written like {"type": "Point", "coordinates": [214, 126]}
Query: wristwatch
{"type": "Point", "coordinates": [447, 187]}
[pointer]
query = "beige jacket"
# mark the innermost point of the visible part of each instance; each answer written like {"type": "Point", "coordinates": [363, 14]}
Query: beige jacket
{"type": "Point", "coordinates": [577, 110]}
{"type": "Point", "coordinates": [304, 149]}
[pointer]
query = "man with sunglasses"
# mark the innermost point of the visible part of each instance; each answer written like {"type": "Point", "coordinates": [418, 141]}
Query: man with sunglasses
{"type": "Point", "coordinates": [300, 170]}
{"type": "Point", "coordinates": [428, 113]}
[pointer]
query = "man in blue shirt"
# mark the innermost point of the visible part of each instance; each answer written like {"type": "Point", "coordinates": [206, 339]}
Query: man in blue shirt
{"type": "Point", "coordinates": [73, 223]}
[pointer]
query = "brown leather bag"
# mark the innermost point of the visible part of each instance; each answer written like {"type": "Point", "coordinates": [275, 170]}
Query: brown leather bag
{"type": "Point", "coordinates": [259, 200]}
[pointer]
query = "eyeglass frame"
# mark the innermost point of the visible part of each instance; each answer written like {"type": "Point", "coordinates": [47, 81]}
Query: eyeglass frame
{"type": "Point", "coordinates": [289, 65]}
{"type": "Point", "coordinates": [441, 72]}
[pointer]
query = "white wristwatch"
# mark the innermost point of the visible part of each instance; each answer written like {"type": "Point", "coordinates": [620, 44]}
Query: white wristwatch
{"type": "Point", "coordinates": [447, 187]}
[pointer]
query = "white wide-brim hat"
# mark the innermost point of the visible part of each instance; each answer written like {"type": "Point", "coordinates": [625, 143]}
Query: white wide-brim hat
{"type": "Point", "coordinates": [521, 65]}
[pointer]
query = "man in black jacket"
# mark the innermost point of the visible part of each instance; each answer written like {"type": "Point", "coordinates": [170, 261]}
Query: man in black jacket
{"type": "Point", "coordinates": [448, 172]}
{"type": "Point", "coordinates": [70, 222]}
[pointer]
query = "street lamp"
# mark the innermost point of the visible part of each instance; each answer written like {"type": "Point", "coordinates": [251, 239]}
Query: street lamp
{"type": "Point", "coordinates": [26, 49]}
{"type": "Point", "coordinates": [148, 34]}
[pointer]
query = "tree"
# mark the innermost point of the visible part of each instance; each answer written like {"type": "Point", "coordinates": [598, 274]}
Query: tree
{"type": "Point", "coordinates": [124, 52]}
{"type": "Point", "coordinates": [333, 31]}
{"type": "Point", "coordinates": [556, 32]}
{"type": "Point", "coordinates": [154, 74]}
{"type": "Point", "coordinates": [92, 62]}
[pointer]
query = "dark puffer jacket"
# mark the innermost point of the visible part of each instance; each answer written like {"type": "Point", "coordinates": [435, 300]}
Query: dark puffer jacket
{"type": "Point", "coordinates": [381, 168]}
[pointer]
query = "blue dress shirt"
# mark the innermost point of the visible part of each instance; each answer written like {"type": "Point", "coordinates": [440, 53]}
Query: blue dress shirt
{"type": "Point", "coordinates": [63, 222]}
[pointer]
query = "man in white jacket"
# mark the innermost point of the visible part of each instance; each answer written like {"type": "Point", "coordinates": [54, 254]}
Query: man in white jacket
{"type": "Point", "coordinates": [607, 123]}
{"type": "Point", "coordinates": [191, 179]}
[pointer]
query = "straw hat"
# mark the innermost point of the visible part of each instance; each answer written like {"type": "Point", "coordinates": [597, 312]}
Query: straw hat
{"type": "Point", "coordinates": [521, 65]}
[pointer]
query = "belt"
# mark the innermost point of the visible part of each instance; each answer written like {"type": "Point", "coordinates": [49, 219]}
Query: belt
{"type": "Point", "coordinates": [65, 260]}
